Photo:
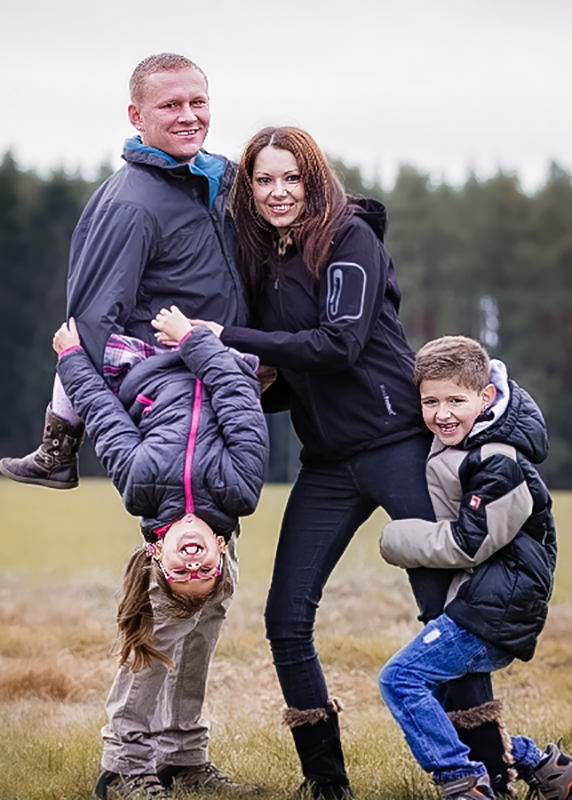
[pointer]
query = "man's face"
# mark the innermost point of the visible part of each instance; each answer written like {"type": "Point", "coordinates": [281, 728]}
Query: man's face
{"type": "Point", "coordinates": [173, 114]}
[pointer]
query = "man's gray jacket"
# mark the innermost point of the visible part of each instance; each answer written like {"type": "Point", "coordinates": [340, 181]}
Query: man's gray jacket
{"type": "Point", "coordinates": [156, 233]}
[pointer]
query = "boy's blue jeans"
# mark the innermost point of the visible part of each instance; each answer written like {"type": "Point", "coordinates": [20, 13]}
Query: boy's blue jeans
{"type": "Point", "coordinates": [410, 680]}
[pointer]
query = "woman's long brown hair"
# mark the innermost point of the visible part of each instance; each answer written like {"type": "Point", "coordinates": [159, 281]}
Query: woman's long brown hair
{"type": "Point", "coordinates": [326, 207]}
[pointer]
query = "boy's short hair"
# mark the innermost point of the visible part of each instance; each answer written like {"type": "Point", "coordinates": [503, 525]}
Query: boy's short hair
{"type": "Point", "coordinates": [456, 358]}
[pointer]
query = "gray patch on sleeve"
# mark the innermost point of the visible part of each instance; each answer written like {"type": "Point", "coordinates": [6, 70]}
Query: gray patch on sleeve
{"type": "Point", "coordinates": [346, 291]}
{"type": "Point", "coordinates": [505, 517]}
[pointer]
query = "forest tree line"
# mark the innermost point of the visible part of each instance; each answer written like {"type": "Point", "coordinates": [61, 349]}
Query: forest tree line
{"type": "Point", "coordinates": [484, 259]}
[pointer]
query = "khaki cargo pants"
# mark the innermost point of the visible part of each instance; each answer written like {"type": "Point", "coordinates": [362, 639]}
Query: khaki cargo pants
{"type": "Point", "coordinates": [155, 715]}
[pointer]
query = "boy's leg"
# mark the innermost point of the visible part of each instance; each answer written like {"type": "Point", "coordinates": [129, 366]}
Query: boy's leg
{"type": "Point", "coordinates": [54, 462]}
{"type": "Point", "coordinates": [408, 682]}
{"type": "Point", "coordinates": [394, 476]}
{"type": "Point", "coordinates": [549, 773]}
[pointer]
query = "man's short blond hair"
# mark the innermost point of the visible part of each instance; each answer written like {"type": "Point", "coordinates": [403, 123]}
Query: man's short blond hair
{"type": "Point", "coordinates": [162, 62]}
{"type": "Point", "coordinates": [458, 358]}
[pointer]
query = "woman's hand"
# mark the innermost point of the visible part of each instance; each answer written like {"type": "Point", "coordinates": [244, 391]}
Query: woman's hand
{"type": "Point", "coordinates": [172, 325]}
{"type": "Point", "coordinates": [213, 326]}
{"type": "Point", "coordinates": [66, 336]}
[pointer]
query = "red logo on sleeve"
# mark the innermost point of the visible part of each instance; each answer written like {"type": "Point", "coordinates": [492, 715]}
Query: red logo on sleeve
{"type": "Point", "coordinates": [475, 501]}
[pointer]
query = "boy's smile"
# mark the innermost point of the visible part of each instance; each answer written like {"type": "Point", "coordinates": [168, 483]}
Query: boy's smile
{"type": "Point", "coordinates": [450, 410]}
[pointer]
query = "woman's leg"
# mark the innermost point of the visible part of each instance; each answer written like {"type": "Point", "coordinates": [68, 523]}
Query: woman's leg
{"type": "Point", "coordinates": [323, 512]}
{"type": "Point", "coordinates": [393, 476]}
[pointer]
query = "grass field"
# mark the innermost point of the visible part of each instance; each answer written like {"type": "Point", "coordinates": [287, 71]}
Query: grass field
{"type": "Point", "coordinates": [62, 556]}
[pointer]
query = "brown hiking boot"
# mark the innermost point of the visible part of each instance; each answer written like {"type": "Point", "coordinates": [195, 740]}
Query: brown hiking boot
{"type": "Point", "coordinates": [54, 463]}
{"type": "Point", "coordinates": [113, 786]}
{"type": "Point", "coordinates": [470, 788]}
{"type": "Point", "coordinates": [552, 778]}
{"type": "Point", "coordinates": [203, 777]}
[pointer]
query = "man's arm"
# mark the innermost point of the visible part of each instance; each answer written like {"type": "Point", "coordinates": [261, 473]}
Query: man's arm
{"type": "Point", "coordinates": [109, 252]}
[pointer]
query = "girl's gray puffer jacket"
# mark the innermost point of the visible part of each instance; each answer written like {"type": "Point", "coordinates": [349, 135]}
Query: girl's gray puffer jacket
{"type": "Point", "coordinates": [164, 459]}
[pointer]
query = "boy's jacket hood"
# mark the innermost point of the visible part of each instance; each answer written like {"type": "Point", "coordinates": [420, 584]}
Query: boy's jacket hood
{"type": "Point", "coordinates": [522, 425]}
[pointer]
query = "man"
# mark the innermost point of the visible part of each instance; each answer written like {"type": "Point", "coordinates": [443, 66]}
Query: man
{"type": "Point", "coordinates": [156, 233]}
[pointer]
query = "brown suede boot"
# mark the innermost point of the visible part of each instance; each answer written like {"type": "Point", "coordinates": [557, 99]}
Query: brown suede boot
{"type": "Point", "coordinates": [54, 463]}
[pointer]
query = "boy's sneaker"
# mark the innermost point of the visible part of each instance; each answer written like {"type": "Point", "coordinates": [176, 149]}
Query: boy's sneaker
{"type": "Point", "coordinates": [552, 778]}
{"type": "Point", "coordinates": [113, 786]}
{"type": "Point", "coordinates": [203, 777]}
{"type": "Point", "coordinates": [470, 788]}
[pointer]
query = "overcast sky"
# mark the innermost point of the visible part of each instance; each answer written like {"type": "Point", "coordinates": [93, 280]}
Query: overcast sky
{"type": "Point", "coordinates": [446, 85]}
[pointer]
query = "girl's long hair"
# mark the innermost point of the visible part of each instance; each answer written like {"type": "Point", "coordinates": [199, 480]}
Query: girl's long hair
{"type": "Point", "coordinates": [326, 207]}
{"type": "Point", "coordinates": [135, 613]}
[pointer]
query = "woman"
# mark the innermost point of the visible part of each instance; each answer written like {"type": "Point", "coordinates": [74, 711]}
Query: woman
{"type": "Point", "coordinates": [325, 300]}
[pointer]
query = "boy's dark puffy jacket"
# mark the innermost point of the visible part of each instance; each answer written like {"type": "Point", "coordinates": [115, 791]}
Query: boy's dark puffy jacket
{"type": "Point", "coordinates": [495, 523]}
{"type": "Point", "coordinates": [143, 436]}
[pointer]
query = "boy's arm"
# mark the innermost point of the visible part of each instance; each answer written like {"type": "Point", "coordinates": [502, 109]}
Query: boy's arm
{"type": "Point", "coordinates": [236, 479]}
{"type": "Point", "coordinates": [495, 505]}
{"type": "Point", "coordinates": [112, 431]}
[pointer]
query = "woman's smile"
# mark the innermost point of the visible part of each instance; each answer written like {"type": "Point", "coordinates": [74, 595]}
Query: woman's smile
{"type": "Point", "coordinates": [277, 187]}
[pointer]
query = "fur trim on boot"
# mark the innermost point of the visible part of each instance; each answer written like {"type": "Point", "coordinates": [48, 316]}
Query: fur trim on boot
{"type": "Point", "coordinates": [316, 734]}
{"type": "Point", "coordinates": [484, 731]}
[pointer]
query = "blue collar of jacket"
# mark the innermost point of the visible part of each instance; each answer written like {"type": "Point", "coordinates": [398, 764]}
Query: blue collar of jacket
{"type": "Point", "coordinates": [206, 165]}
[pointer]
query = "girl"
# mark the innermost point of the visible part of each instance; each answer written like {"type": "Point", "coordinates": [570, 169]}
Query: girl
{"type": "Point", "coordinates": [183, 438]}
{"type": "Point", "coordinates": [325, 301]}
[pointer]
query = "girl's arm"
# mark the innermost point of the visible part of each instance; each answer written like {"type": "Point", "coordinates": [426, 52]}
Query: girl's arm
{"type": "Point", "coordinates": [351, 300]}
{"type": "Point", "coordinates": [496, 504]}
{"type": "Point", "coordinates": [235, 475]}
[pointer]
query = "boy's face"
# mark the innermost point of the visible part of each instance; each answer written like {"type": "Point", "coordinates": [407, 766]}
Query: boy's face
{"type": "Point", "coordinates": [450, 410]}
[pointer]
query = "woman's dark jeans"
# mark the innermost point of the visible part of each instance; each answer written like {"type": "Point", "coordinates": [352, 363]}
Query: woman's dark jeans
{"type": "Point", "coordinates": [328, 503]}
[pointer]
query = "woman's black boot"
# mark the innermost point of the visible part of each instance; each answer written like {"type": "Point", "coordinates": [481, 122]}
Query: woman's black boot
{"type": "Point", "coordinates": [483, 730]}
{"type": "Point", "coordinates": [316, 733]}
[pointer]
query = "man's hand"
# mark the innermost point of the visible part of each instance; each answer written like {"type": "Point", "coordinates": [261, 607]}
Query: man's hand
{"type": "Point", "coordinates": [172, 325]}
{"type": "Point", "coordinates": [66, 336]}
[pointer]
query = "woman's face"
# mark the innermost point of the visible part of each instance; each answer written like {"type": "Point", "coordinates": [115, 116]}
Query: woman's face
{"type": "Point", "coordinates": [191, 554]}
{"type": "Point", "coordinates": [277, 187]}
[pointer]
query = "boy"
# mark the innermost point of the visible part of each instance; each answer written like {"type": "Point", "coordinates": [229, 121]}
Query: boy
{"type": "Point", "coordinates": [495, 527]}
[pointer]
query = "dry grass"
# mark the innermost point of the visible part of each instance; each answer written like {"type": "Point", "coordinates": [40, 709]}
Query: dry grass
{"type": "Point", "coordinates": [56, 631]}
